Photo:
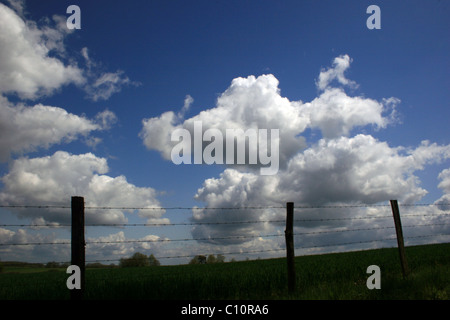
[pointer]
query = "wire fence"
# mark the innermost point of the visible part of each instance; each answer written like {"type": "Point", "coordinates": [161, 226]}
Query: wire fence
{"type": "Point", "coordinates": [435, 220]}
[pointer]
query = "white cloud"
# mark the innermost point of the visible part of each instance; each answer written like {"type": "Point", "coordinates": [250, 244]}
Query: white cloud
{"type": "Point", "coordinates": [444, 176]}
{"type": "Point", "coordinates": [35, 62]}
{"type": "Point", "coordinates": [32, 55]}
{"type": "Point", "coordinates": [340, 65]}
{"type": "Point", "coordinates": [53, 180]}
{"type": "Point", "coordinates": [188, 100]}
{"type": "Point", "coordinates": [106, 119]}
{"type": "Point", "coordinates": [26, 69]}
{"type": "Point", "coordinates": [235, 189]}
{"type": "Point", "coordinates": [118, 245]}
{"type": "Point", "coordinates": [25, 129]}
{"type": "Point", "coordinates": [102, 85]}
{"type": "Point", "coordinates": [110, 247]}
{"type": "Point", "coordinates": [256, 102]}
{"type": "Point", "coordinates": [248, 103]}
{"type": "Point", "coordinates": [336, 114]}
{"type": "Point", "coordinates": [338, 168]}
{"type": "Point", "coordinates": [106, 85]}
{"type": "Point", "coordinates": [156, 133]}
{"type": "Point", "coordinates": [18, 6]}
{"type": "Point", "coordinates": [32, 253]}
{"type": "Point", "coordinates": [359, 169]}
{"type": "Point", "coordinates": [445, 183]}
{"type": "Point", "coordinates": [338, 171]}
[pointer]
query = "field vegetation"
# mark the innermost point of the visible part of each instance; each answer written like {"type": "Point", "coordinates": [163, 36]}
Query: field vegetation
{"type": "Point", "coordinates": [326, 276]}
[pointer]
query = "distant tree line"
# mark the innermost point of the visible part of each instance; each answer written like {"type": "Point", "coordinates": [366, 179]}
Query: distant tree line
{"type": "Point", "coordinates": [139, 260]}
{"type": "Point", "coordinates": [53, 264]}
{"type": "Point", "coordinates": [136, 260]}
{"type": "Point", "coordinates": [210, 259]}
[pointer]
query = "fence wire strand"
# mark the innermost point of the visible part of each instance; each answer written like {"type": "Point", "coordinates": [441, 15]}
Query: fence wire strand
{"type": "Point", "coordinates": [243, 237]}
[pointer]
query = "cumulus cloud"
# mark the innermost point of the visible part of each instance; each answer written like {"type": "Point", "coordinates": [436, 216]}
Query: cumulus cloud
{"type": "Point", "coordinates": [34, 61]}
{"type": "Point", "coordinates": [52, 180]}
{"type": "Point", "coordinates": [336, 114]}
{"type": "Point", "coordinates": [249, 103]}
{"type": "Point", "coordinates": [235, 189]}
{"type": "Point", "coordinates": [26, 67]}
{"type": "Point", "coordinates": [257, 103]}
{"type": "Point", "coordinates": [337, 169]}
{"type": "Point", "coordinates": [357, 170]}
{"type": "Point", "coordinates": [25, 129]}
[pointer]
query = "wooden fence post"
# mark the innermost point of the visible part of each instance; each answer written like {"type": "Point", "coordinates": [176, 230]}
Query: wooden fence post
{"type": "Point", "coordinates": [398, 230]}
{"type": "Point", "coordinates": [290, 254]}
{"type": "Point", "coordinates": [78, 244]}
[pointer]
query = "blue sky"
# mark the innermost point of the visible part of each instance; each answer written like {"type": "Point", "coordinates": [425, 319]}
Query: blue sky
{"type": "Point", "coordinates": [138, 60]}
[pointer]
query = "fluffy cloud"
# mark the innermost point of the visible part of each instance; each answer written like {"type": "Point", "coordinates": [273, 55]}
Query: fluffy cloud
{"type": "Point", "coordinates": [113, 246]}
{"type": "Point", "coordinates": [360, 169]}
{"type": "Point", "coordinates": [32, 59]}
{"type": "Point", "coordinates": [337, 169]}
{"type": "Point", "coordinates": [249, 103]}
{"type": "Point", "coordinates": [336, 114]}
{"type": "Point", "coordinates": [445, 183]}
{"type": "Point", "coordinates": [443, 201]}
{"type": "Point", "coordinates": [256, 102]}
{"type": "Point", "coordinates": [25, 129]}
{"type": "Point", "coordinates": [340, 65]}
{"type": "Point", "coordinates": [235, 189]}
{"type": "Point", "coordinates": [52, 180]}
{"type": "Point", "coordinates": [26, 68]}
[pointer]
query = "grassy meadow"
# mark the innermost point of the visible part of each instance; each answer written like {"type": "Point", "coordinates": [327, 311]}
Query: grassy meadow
{"type": "Point", "coordinates": [327, 276]}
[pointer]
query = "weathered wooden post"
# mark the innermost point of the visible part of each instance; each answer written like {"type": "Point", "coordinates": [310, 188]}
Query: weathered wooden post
{"type": "Point", "coordinates": [290, 253]}
{"type": "Point", "coordinates": [78, 244]}
{"type": "Point", "coordinates": [398, 230]}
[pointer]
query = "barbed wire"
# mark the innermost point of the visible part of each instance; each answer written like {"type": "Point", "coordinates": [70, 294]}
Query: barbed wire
{"type": "Point", "coordinates": [57, 225]}
{"type": "Point", "coordinates": [221, 208]}
{"type": "Point", "coordinates": [240, 252]}
{"type": "Point", "coordinates": [224, 238]}
{"type": "Point", "coordinates": [281, 249]}
{"type": "Point", "coordinates": [237, 237]}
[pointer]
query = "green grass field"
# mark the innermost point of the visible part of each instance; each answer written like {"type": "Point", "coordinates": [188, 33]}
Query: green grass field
{"type": "Point", "coordinates": [328, 276]}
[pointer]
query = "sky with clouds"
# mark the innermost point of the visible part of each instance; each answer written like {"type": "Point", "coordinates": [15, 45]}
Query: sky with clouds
{"type": "Point", "coordinates": [362, 118]}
